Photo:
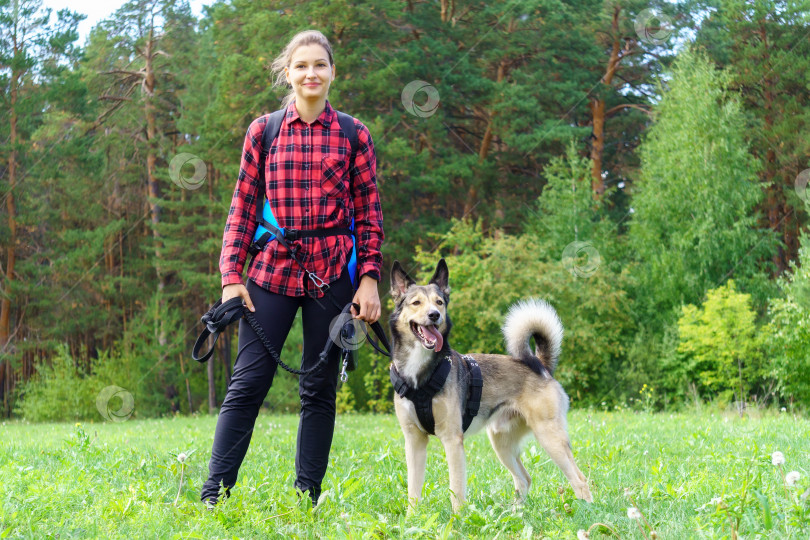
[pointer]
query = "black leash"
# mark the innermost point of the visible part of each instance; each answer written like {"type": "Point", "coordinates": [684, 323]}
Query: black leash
{"type": "Point", "coordinates": [217, 319]}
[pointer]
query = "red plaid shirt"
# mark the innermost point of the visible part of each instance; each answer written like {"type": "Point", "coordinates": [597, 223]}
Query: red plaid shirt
{"type": "Point", "coordinates": [309, 186]}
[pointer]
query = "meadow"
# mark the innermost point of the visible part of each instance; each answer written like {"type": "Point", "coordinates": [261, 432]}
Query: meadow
{"type": "Point", "coordinates": [700, 474]}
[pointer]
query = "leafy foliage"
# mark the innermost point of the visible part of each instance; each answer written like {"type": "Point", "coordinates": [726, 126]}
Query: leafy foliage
{"type": "Point", "coordinates": [788, 332]}
{"type": "Point", "coordinates": [720, 346]}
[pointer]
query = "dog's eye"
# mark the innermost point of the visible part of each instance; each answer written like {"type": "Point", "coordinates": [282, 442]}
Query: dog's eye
{"type": "Point", "coordinates": [439, 303]}
{"type": "Point", "coordinates": [415, 303]}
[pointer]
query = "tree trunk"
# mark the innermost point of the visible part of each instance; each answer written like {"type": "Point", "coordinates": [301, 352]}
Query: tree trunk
{"type": "Point", "coordinates": [774, 199]}
{"type": "Point", "coordinates": [597, 106]}
{"type": "Point", "coordinates": [212, 381]}
{"type": "Point", "coordinates": [486, 143]}
{"type": "Point", "coordinates": [11, 253]}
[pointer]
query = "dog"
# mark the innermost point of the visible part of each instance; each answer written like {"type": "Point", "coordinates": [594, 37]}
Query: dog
{"type": "Point", "coordinates": [518, 395]}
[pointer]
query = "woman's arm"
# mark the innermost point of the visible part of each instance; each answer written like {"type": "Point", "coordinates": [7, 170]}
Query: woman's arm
{"type": "Point", "coordinates": [241, 223]}
{"type": "Point", "coordinates": [368, 226]}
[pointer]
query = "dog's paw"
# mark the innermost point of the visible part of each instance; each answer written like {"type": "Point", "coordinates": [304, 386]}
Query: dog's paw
{"type": "Point", "coordinates": [584, 493]}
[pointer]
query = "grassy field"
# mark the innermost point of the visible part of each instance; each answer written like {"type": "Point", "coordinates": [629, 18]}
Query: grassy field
{"type": "Point", "coordinates": [690, 475]}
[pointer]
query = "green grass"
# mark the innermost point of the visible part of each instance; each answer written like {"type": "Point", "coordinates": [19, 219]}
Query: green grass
{"type": "Point", "coordinates": [120, 480]}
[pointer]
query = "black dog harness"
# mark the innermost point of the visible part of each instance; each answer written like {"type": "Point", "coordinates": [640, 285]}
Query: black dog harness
{"type": "Point", "coordinates": [422, 398]}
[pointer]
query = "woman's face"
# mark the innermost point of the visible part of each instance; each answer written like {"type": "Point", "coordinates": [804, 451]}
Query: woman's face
{"type": "Point", "coordinates": [310, 73]}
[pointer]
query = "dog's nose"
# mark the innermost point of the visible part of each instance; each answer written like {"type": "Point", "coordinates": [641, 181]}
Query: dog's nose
{"type": "Point", "coordinates": [434, 315]}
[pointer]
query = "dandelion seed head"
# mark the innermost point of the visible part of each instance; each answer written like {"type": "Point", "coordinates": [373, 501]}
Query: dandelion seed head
{"type": "Point", "coordinates": [628, 492]}
{"type": "Point", "coordinates": [181, 457]}
{"type": "Point", "coordinates": [582, 534]}
{"type": "Point", "coordinates": [792, 477]}
{"type": "Point", "coordinates": [778, 458]}
{"type": "Point", "coordinates": [633, 513]}
{"type": "Point", "coordinates": [783, 409]}
{"type": "Point", "coordinates": [716, 500]}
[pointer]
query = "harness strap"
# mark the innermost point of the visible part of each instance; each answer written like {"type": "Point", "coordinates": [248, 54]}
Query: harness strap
{"type": "Point", "coordinates": [475, 388]}
{"type": "Point", "coordinates": [422, 398]}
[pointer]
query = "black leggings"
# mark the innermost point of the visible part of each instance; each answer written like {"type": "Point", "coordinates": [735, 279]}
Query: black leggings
{"type": "Point", "coordinates": [252, 377]}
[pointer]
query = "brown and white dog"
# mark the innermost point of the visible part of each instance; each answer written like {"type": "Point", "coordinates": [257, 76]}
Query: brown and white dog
{"type": "Point", "coordinates": [519, 395]}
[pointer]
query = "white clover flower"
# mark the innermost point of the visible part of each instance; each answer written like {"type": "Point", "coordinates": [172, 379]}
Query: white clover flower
{"type": "Point", "coordinates": [715, 500]}
{"type": "Point", "coordinates": [792, 477]}
{"type": "Point", "coordinates": [777, 458]}
{"type": "Point", "coordinates": [181, 457]}
{"type": "Point", "coordinates": [582, 534]}
{"type": "Point", "coordinates": [633, 513]}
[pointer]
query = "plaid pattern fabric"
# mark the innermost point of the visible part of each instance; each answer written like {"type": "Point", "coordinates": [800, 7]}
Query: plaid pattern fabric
{"type": "Point", "coordinates": [309, 186]}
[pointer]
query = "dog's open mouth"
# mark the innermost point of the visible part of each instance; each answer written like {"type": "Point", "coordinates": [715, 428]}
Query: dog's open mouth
{"type": "Point", "coordinates": [429, 335]}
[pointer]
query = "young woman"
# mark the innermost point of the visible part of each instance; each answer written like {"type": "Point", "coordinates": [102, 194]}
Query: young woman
{"type": "Point", "coordinates": [310, 184]}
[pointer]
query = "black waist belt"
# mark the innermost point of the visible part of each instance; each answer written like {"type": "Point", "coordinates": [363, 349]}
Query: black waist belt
{"type": "Point", "coordinates": [291, 235]}
{"type": "Point", "coordinates": [422, 398]}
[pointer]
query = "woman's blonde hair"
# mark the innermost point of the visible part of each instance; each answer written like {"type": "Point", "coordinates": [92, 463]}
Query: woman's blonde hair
{"type": "Point", "coordinates": [307, 37]}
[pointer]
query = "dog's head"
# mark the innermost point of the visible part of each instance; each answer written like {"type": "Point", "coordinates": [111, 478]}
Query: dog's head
{"type": "Point", "coordinates": [421, 310]}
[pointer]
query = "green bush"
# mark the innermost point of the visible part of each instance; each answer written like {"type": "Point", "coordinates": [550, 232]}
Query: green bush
{"type": "Point", "coordinates": [788, 332]}
{"type": "Point", "coordinates": [720, 347]}
{"type": "Point", "coordinates": [58, 391]}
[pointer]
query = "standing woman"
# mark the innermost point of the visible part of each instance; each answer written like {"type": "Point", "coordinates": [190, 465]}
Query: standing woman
{"type": "Point", "coordinates": [310, 185]}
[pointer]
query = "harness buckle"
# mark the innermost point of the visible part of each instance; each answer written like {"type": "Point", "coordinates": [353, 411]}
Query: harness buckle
{"type": "Point", "coordinates": [292, 234]}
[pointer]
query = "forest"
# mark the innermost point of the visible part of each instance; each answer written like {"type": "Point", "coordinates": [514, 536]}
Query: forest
{"type": "Point", "coordinates": [641, 165]}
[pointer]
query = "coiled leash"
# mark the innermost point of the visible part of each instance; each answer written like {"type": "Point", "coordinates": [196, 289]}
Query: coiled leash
{"type": "Point", "coordinates": [217, 319]}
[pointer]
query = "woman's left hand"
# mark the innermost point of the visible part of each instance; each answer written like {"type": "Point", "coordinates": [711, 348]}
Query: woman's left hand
{"type": "Point", "coordinates": [369, 300]}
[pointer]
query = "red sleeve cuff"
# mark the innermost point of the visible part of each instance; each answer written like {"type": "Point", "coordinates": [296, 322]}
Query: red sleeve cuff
{"type": "Point", "coordinates": [229, 278]}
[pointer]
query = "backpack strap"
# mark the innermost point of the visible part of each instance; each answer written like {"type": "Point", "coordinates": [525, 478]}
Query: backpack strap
{"type": "Point", "coordinates": [350, 130]}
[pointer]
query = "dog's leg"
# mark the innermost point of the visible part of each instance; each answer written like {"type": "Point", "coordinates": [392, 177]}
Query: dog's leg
{"type": "Point", "coordinates": [416, 458]}
{"type": "Point", "coordinates": [507, 447]}
{"type": "Point", "coordinates": [552, 436]}
{"type": "Point", "coordinates": [457, 467]}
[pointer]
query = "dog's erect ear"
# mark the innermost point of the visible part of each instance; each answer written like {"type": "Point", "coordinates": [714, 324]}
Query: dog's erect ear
{"type": "Point", "coordinates": [440, 277]}
{"type": "Point", "coordinates": [400, 281]}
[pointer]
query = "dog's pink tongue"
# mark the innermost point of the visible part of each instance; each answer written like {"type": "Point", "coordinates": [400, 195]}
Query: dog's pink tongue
{"type": "Point", "coordinates": [433, 333]}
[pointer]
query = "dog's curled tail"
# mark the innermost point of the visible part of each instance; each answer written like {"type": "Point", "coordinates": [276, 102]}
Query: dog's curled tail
{"type": "Point", "coordinates": [534, 318]}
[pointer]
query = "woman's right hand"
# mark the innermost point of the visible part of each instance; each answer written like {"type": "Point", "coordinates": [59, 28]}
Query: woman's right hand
{"type": "Point", "coordinates": [237, 289]}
